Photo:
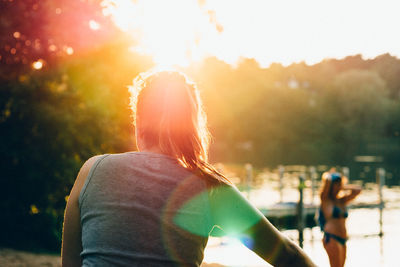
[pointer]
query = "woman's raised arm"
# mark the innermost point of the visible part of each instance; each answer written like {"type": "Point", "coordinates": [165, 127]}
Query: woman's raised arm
{"type": "Point", "coordinates": [326, 185]}
{"type": "Point", "coordinates": [355, 190]}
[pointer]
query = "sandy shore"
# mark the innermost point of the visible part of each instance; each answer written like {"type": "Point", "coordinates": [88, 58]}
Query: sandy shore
{"type": "Point", "coordinates": [16, 258]}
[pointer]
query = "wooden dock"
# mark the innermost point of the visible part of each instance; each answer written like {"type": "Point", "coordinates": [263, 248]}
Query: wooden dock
{"type": "Point", "coordinates": [290, 208]}
{"type": "Point", "coordinates": [284, 215]}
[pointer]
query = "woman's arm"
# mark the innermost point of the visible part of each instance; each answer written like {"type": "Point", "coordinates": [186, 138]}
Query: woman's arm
{"type": "Point", "coordinates": [71, 239]}
{"type": "Point", "coordinates": [274, 247]}
{"type": "Point", "coordinates": [237, 217]}
{"type": "Point", "coordinates": [326, 185]}
{"type": "Point", "coordinates": [355, 190]}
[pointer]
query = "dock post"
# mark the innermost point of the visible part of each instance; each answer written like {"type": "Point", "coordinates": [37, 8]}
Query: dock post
{"type": "Point", "coordinates": [300, 210]}
{"type": "Point", "coordinates": [381, 182]}
{"type": "Point", "coordinates": [281, 171]}
{"type": "Point", "coordinates": [346, 172]}
{"type": "Point", "coordinates": [249, 178]}
{"type": "Point", "coordinates": [313, 176]}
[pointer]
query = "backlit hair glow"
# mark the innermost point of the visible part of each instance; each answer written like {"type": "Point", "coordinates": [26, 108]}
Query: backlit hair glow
{"type": "Point", "coordinates": [168, 113]}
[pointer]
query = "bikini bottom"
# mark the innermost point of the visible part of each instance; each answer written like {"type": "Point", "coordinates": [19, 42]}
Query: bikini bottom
{"type": "Point", "coordinates": [328, 236]}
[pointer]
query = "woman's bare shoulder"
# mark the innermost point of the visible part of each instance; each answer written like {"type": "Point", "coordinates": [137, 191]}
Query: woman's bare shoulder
{"type": "Point", "coordinates": [82, 175]}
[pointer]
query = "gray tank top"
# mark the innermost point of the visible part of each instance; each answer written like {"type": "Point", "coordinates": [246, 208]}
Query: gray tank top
{"type": "Point", "coordinates": [143, 209]}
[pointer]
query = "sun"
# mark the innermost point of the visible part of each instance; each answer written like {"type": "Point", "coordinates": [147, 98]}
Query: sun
{"type": "Point", "coordinates": [178, 32]}
{"type": "Point", "coordinates": [173, 32]}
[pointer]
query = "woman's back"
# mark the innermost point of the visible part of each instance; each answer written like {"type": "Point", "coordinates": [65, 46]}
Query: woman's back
{"type": "Point", "coordinates": [149, 209]}
{"type": "Point", "coordinates": [128, 206]}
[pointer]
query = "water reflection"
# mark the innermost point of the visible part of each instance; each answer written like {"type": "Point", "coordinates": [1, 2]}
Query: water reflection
{"type": "Point", "coordinates": [365, 247]}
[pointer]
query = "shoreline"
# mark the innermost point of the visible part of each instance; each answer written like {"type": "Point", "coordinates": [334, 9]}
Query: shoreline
{"type": "Point", "coordinates": [19, 258]}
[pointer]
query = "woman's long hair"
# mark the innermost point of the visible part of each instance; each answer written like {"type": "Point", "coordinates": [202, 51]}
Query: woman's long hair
{"type": "Point", "coordinates": [168, 114]}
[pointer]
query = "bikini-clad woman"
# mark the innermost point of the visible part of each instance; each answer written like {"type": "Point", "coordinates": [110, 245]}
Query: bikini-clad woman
{"type": "Point", "coordinates": [333, 213]}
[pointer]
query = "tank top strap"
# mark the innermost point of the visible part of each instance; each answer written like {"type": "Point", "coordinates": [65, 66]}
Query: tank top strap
{"type": "Point", "coordinates": [89, 177]}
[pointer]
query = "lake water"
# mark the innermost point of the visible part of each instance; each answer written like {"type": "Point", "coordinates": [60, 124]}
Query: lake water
{"type": "Point", "coordinates": [365, 247]}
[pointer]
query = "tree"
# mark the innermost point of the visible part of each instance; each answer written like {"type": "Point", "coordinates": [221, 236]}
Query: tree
{"type": "Point", "coordinates": [388, 68]}
{"type": "Point", "coordinates": [355, 109]}
{"type": "Point", "coordinates": [56, 116]}
{"type": "Point", "coordinates": [48, 31]}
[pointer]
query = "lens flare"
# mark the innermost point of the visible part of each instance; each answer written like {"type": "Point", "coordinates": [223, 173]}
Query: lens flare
{"type": "Point", "coordinates": [173, 32]}
{"type": "Point", "coordinates": [94, 25]}
{"type": "Point", "coordinates": [17, 35]}
{"type": "Point", "coordinates": [179, 32]}
{"type": "Point", "coordinates": [37, 65]}
{"type": "Point", "coordinates": [69, 50]}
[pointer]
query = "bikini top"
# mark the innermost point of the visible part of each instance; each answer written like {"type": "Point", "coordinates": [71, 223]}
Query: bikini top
{"type": "Point", "coordinates": [336, 213]}
{"type": "Point", "coordinates": [339, 213]}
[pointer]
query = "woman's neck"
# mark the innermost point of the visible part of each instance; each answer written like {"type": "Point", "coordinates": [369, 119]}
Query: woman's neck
{"type": "Point", "coordinates": [153, 149]}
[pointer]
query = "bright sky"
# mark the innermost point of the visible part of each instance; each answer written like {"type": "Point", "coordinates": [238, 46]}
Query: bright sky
{"type": "Point", "coordinates": [285, 31]}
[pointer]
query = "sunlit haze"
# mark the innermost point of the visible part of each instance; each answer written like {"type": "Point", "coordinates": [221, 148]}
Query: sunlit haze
{"type": "Point", "coordinates": [285, 31]}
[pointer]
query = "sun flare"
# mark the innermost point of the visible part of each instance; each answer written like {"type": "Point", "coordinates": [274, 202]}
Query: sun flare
{"type": "Point", "coordinates": [179, 32]}
{"type": "Point", "coordinates": [172, 32]}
